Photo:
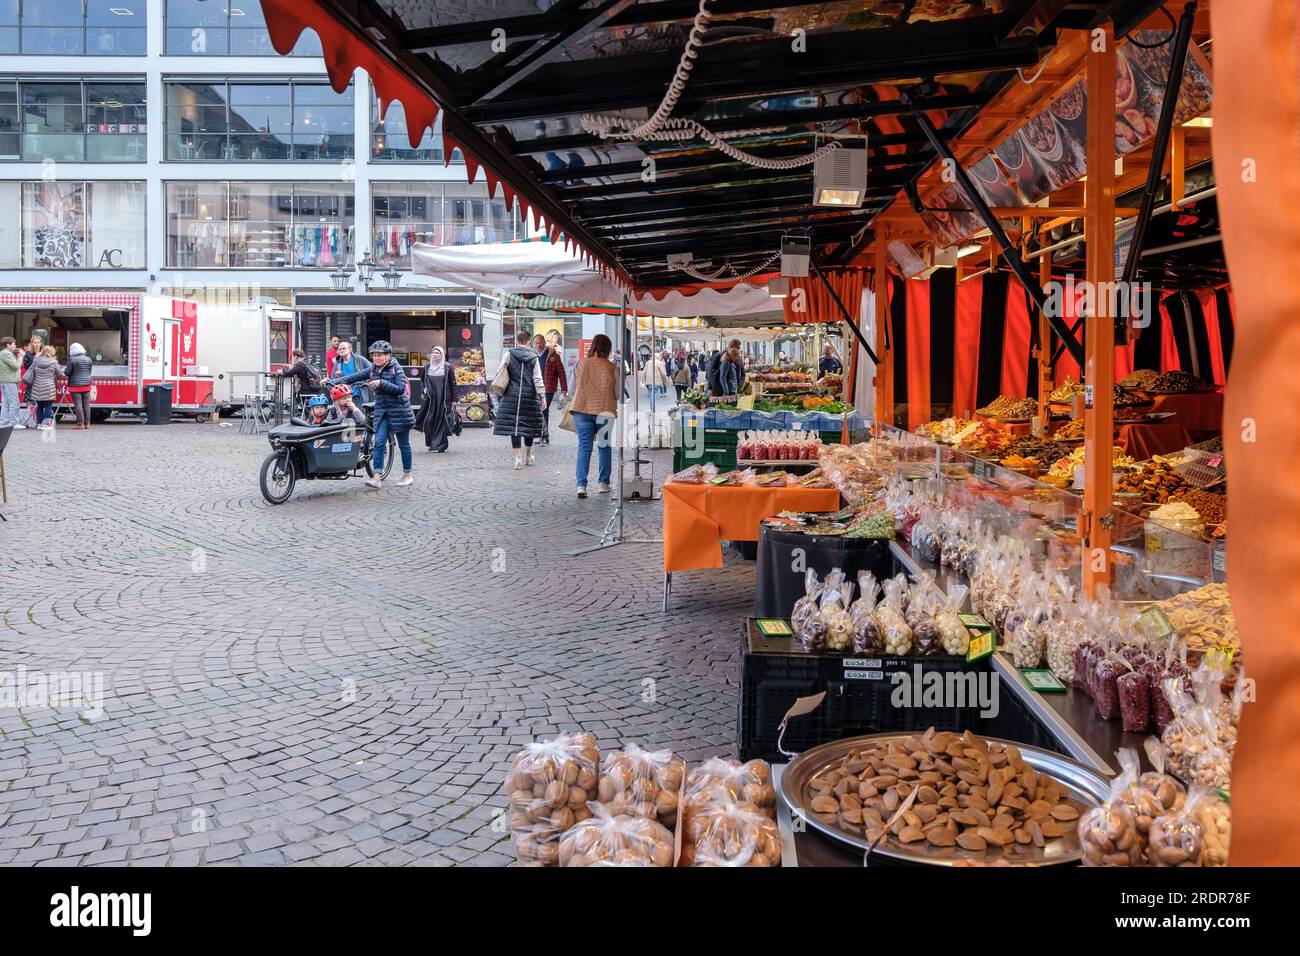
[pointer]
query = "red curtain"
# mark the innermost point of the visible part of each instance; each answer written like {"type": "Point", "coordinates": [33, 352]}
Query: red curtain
{"type": "Point", "coordinates": [818, 306]}
{"type": "Point", "coordinates": [918, 353]}
{"type": "Point", "coordinates": [1169, 361]}
{"type": "Point", "coordinates": [1210, 307]}
{"type": "Point", "coordinates": [966, 348]}
{"type": "Point", "coordinates": [1015, 343]}
{"type": "Point", "coordinates": [1066, 366]}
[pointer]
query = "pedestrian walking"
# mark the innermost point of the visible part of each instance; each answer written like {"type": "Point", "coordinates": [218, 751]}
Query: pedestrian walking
{"type": "Point", "coordinates": [654, 377]}
{"type": "Point", "coordinates": [331, 354]}
{"type": "Point", "coordinates": [437, 417]}
{"type": "Point", "coordinates": [79, 372]}
{"type": "Point", "coordinates": [683, 378]}
{"type": "Point", "coordinates": [393, 416]}
{"type": "Point", "coordinates": [594, 405]}
{"type": "Point", "coordinates": [554, 381]}
{"type": "Point", "coordinates": [41, 379]}
{"type": "Point", "coordinates": [519, 409]}
{"type": "Point", "coordinates": [11, 369]}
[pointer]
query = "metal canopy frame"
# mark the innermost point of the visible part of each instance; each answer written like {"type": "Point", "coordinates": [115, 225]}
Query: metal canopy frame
{"type": "Point", "coordinates": [513, 106]}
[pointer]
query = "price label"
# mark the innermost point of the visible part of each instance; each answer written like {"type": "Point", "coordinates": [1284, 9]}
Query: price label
{"type": "Point", "coordinates": [1215, 462]}
{"type": "Point", "coordinates": [796, 426]}
{"type": "Point", "coordinates": [745, 403]}
{"type": "Point", "coordinates": [720, 479]}
{"type": "Point", "coordinates": [981, 646]}
{"type": "Point", "coordinates": [773, 627]}
{"type": "Point", "coordinates": [1156, 624]}
{"type": "Point", "coordinates": [1042, 680]}
{"type": "Point", "coordinates": [1036, 427]}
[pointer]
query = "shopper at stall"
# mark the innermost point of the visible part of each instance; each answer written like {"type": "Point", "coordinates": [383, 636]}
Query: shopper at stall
{"type": "Point", "coordinates": [10, 371]}
{"type": "Point", "coordinates": [35, 344]}
{"type": "Point", "coordinates": [731, 374]}
{"type": "Point", "coordinates": [41, 381]}
{"type": "Point", "coordinates": [393, 416]}
{"type": "Point", "coordinates": [348, 362]}
{"type": "Point", "coordinates": [78, 372]}
{"type": "Point", "coordinates": [344, 409]}
{"type": "Point", "coordinates": [829, 363]}
{"type": "Point", "coordinates": [519, 409]}
{"type": "Point", "coordinates": [555, 382]}
{"type": "Point", "coordinates": [714, 368]}
{"type": "Point", "coordinates": [594, 405]}
{"type": "Point", "coordinates": [437, 417]}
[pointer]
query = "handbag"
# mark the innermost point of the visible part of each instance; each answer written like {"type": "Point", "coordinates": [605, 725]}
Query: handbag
{"type": "Point", "coordinates": [566, 422]}
{"type": "Point", "coordinates": [501, 380]}
{"type": "Point", "coordinates": [29, 377]}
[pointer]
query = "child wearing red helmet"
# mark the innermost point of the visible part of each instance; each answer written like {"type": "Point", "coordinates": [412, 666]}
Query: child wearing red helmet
{"type": "Point", "coordinates": [344, 409]}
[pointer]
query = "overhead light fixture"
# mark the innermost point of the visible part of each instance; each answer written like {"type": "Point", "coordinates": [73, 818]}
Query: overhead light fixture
{"type": "Point", "coordinates": [840, 178]}
{"type": "Point", "coordinates": [366, 269]}
{"type": "Point", "coordinates": [943, 257]}
{"type": "Point", "coordinates": [796, 253]}
{"type": "Point", "coordinates": [778, 288]}
{"type": "Point", "coordinates": [679, 260]}
{"type": "Point", "coordinates": [969, 250]}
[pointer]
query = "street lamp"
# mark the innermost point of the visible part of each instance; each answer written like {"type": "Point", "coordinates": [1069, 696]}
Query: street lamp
{"type": "Point", "coordinates": [392, 279]}
{"type": "Point", "coordinates": [342, 279]}
{"type": "Point", "coordinates": [366, 269]}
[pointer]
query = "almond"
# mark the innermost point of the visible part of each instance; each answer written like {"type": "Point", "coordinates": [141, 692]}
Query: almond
{"type": "Point", "coordinates": [972, 841]}
{"type": "Point", "coordinates": [910, 835]}
{"type": "Point", "coordinates": [940, 836]}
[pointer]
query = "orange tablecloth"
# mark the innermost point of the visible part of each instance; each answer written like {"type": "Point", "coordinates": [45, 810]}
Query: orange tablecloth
{"type": "Point", "coordinates": [1202, 412]}
{"type": "Point", "coordinates": [1143, 440]}
{"type": "Point", "coordinates": [1015, 428]}
{"type": "Point", "coordinates": [698, 518]}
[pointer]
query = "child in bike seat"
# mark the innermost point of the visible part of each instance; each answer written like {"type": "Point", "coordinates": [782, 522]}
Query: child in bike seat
{"type": "Point", "coordinates": [344, 409]}
{"type": "Point", "coordinates": [317, 407]}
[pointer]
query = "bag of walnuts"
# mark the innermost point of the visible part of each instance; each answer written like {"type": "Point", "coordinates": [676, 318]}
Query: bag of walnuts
{"type": "Point", "coordinates": [722, 831]}
{"type": "Point", "coordinates": [1109, 834]}
{"type": "Point", "coordinates": [750, 782]}
{"type": "Point", "coordinates": [643, 783]}
{"type": "Point", "coordinates": [550, 783]}
{"type": "Point", "coordinates": [616, 839]}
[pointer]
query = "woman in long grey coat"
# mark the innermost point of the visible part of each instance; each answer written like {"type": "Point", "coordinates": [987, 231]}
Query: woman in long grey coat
{"type": "Point", "coordinates": [45, 371]}
{"type": "Point", "coordinates": [519, 410]}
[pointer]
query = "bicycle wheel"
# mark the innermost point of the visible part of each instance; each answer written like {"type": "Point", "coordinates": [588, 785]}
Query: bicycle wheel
{"type": "Point", "coordinates": [367, 451]}
{"type": "Point", "coordinates": [389, 454]}
{"type": "Point", "coordinates": [277, 478]}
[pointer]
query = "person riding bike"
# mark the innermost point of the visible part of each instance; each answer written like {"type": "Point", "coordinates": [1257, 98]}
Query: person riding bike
{"type": "Point", "coordinates": [393, 414]}
{"type": "Point", "coordinates": [317, 407]}
{"type": "Point", "coordinates": [344, 408]}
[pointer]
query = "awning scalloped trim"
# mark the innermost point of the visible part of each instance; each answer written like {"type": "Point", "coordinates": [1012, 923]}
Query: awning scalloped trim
{"type": "Point", "coordinates": [345, 51]}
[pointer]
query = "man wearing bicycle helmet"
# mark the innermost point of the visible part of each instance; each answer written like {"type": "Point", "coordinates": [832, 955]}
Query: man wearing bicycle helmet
{"type": "Point", "coordinates": [387, 382]}
{"type": "Point", "coordinates": [344, 408]}
{"type": "Point", "coordinates": [317, 406]}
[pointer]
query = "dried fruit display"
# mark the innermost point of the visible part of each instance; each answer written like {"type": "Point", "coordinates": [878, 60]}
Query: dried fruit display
{"type": "Point", "coordinates": [1212, 508]}
{"type": "Point", "coordinates": [1141, 378]}
{"type": "Point", "coordinates": [1063, 394]}
{"type": "Point", "coordinates": [1070, 431]}
{"type": "Point", "coordinates": [1155, 481]}
{"type": "Point", "coordinates": [1176, 381]}
{"type": "Point", "coordinates": [979, 795]}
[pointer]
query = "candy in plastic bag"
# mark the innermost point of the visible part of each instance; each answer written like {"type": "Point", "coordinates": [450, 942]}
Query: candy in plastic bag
{"type": "Point", "coordinates": [805, 620]}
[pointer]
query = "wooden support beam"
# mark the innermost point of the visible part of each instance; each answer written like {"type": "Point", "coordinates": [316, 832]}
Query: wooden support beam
{"type": "Point", "coordinates": [1043, 354]}
{"type": "Point", "coordinates": [1099, 337]}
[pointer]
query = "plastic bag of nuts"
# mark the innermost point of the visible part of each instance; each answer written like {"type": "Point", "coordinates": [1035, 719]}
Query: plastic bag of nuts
{"type": "Point", "coordinates": [866, 632]}
{"type": "Point", "coordinates": [1177, 838]}
{"type": "Point", "coordinates": [615, 839]}
{"type": "Point", "coordinates": [749, 782]}
{"type": "Point", "coordinates": [805, 620]}
{"type": "Point", "coordinates": [1108, 834]}
{"type": "Point", "coordinates": [722, 831]}
{"type": "Point", "coordinates": [1155, 793]}
{"type": "Point", "coordinates": [642, 783]}
{"type": "Point", "coordinates": [550, 783]}
{"type": "Point", "coordinates": [1215, 817]}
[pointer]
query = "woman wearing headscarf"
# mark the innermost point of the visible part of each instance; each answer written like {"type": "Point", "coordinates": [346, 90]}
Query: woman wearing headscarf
{"type": "Point", "coordinates": [436, 413]}
{"type": "Point", "coordinates": [78, 371]}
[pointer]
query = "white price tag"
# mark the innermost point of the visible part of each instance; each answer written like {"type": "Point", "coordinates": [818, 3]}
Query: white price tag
{"type": "Point", "coordinates": [797, 426]}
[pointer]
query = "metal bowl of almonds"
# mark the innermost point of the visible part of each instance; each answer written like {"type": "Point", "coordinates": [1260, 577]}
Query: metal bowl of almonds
{"type": "Point", "coordinates": [978, 799]}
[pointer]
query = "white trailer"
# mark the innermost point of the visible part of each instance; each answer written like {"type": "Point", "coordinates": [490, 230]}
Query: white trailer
{"type": "Point", "coordinates": [240, 345]}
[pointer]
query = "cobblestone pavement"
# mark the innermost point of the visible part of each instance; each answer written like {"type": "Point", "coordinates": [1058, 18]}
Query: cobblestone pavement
{"type": "Point", "coordinates": [338, 680]}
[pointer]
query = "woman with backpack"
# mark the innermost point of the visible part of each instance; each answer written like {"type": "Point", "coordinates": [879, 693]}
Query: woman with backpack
{"type": "Point", "coordinates": [519, 408]}
{"type": "Point", "coordinates": [78, 371]}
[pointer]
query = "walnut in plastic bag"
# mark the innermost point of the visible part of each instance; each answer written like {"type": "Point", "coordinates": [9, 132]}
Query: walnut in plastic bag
{"type": "Point", "coordinates": [550, 783]}
{"type": "Point", "coordinates": [642, 783]}
{"type": "Point", "coordinates": [612, 839]}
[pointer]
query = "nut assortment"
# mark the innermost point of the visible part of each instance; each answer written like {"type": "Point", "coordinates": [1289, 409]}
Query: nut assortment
{"type": "Point", "coordinates": [1070, 431]}
{"type": "Point", "coordinates": [1007, 409]}
{"type": "Point", "coordinates": [729, 815]}
{"type": "Point", "coordinates": [1155, 481]}
{"type": "Point", "coordinates": [610, 839]}
{"type": "Point", "coordinates": [971, 793]}
{"type": "Point", "coordinates": [1141, 378]}
{"type": "Point", "coordinates": [1212, 508]}
{"type": "Point", "coordinates": [1175, 381]}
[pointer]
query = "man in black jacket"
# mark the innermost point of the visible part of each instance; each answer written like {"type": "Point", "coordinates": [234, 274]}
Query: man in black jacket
{"type": "Point", "coordinates": [715, 362]}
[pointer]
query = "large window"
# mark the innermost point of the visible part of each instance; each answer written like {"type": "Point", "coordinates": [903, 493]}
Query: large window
{"type": "Point", "coordinates": [73, 27]}
{"type": "Point", "coordinates": [258, 120]}
{"type": "Point", "coordinates": [444, 214]}
{"type": "Point", "coordinates": [225, 27]}
{"type": "Point", "coordinates": [72, 120]}
{"type": "Point", "coordinates": [241, 225]}
{"type": "Point", "coordinates": [72, 225]}
{"type": "Point", "coordinates": [390, 141]}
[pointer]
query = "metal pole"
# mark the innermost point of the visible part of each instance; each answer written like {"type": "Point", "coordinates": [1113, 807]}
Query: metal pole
{"type": "Point", "coordinates": [622, 401]}
{"type": "Point", "coordinates": [1000, 237]}
{"type": "Point", "coordinates": [847, 317]}
{"type": "Point", "coordinates": [1156, 166]}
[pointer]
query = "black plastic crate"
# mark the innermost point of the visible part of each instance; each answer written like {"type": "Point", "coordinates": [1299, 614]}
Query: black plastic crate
{"type": "Point", "coordinates": [774, 672]}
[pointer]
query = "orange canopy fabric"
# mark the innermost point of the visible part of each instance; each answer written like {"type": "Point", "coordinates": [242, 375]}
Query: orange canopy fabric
{"type": "Point", "coordinates": [1142, 441]}
{"type": "Point", "coordinates": [816, 304]}
{"type": "Point", "coordinates": [1196, 413]}
{"type": "Point", "coordinates": [1256, 129]}
{"type": "Point", "coordinates": [698, 518]}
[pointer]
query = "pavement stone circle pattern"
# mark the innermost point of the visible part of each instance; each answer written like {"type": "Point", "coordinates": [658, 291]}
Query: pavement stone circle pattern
{"type": "Point", "coordinates": [340, 680]}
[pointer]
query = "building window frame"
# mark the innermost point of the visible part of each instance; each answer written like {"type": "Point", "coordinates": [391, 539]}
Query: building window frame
{"type": "Point", "coordinates": [202, 36]}
{"type": "Point", "coordinates": [90, 33]}
{"type": "Point", "coordinates": [89, 244]}
{"type": "Point", "coordinates": [134, 135]}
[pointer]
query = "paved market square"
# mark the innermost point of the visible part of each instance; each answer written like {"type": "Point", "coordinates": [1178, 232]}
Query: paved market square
{"type": "Point", "coordinates": [340, 680]}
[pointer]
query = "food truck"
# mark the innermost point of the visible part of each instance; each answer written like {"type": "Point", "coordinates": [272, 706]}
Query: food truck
{"type": "Point", "coordinates": [135, 340]}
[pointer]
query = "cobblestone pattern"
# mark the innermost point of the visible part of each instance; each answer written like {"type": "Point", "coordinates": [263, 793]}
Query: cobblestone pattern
{"type": "Point", "coordinates": [338, 680]}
